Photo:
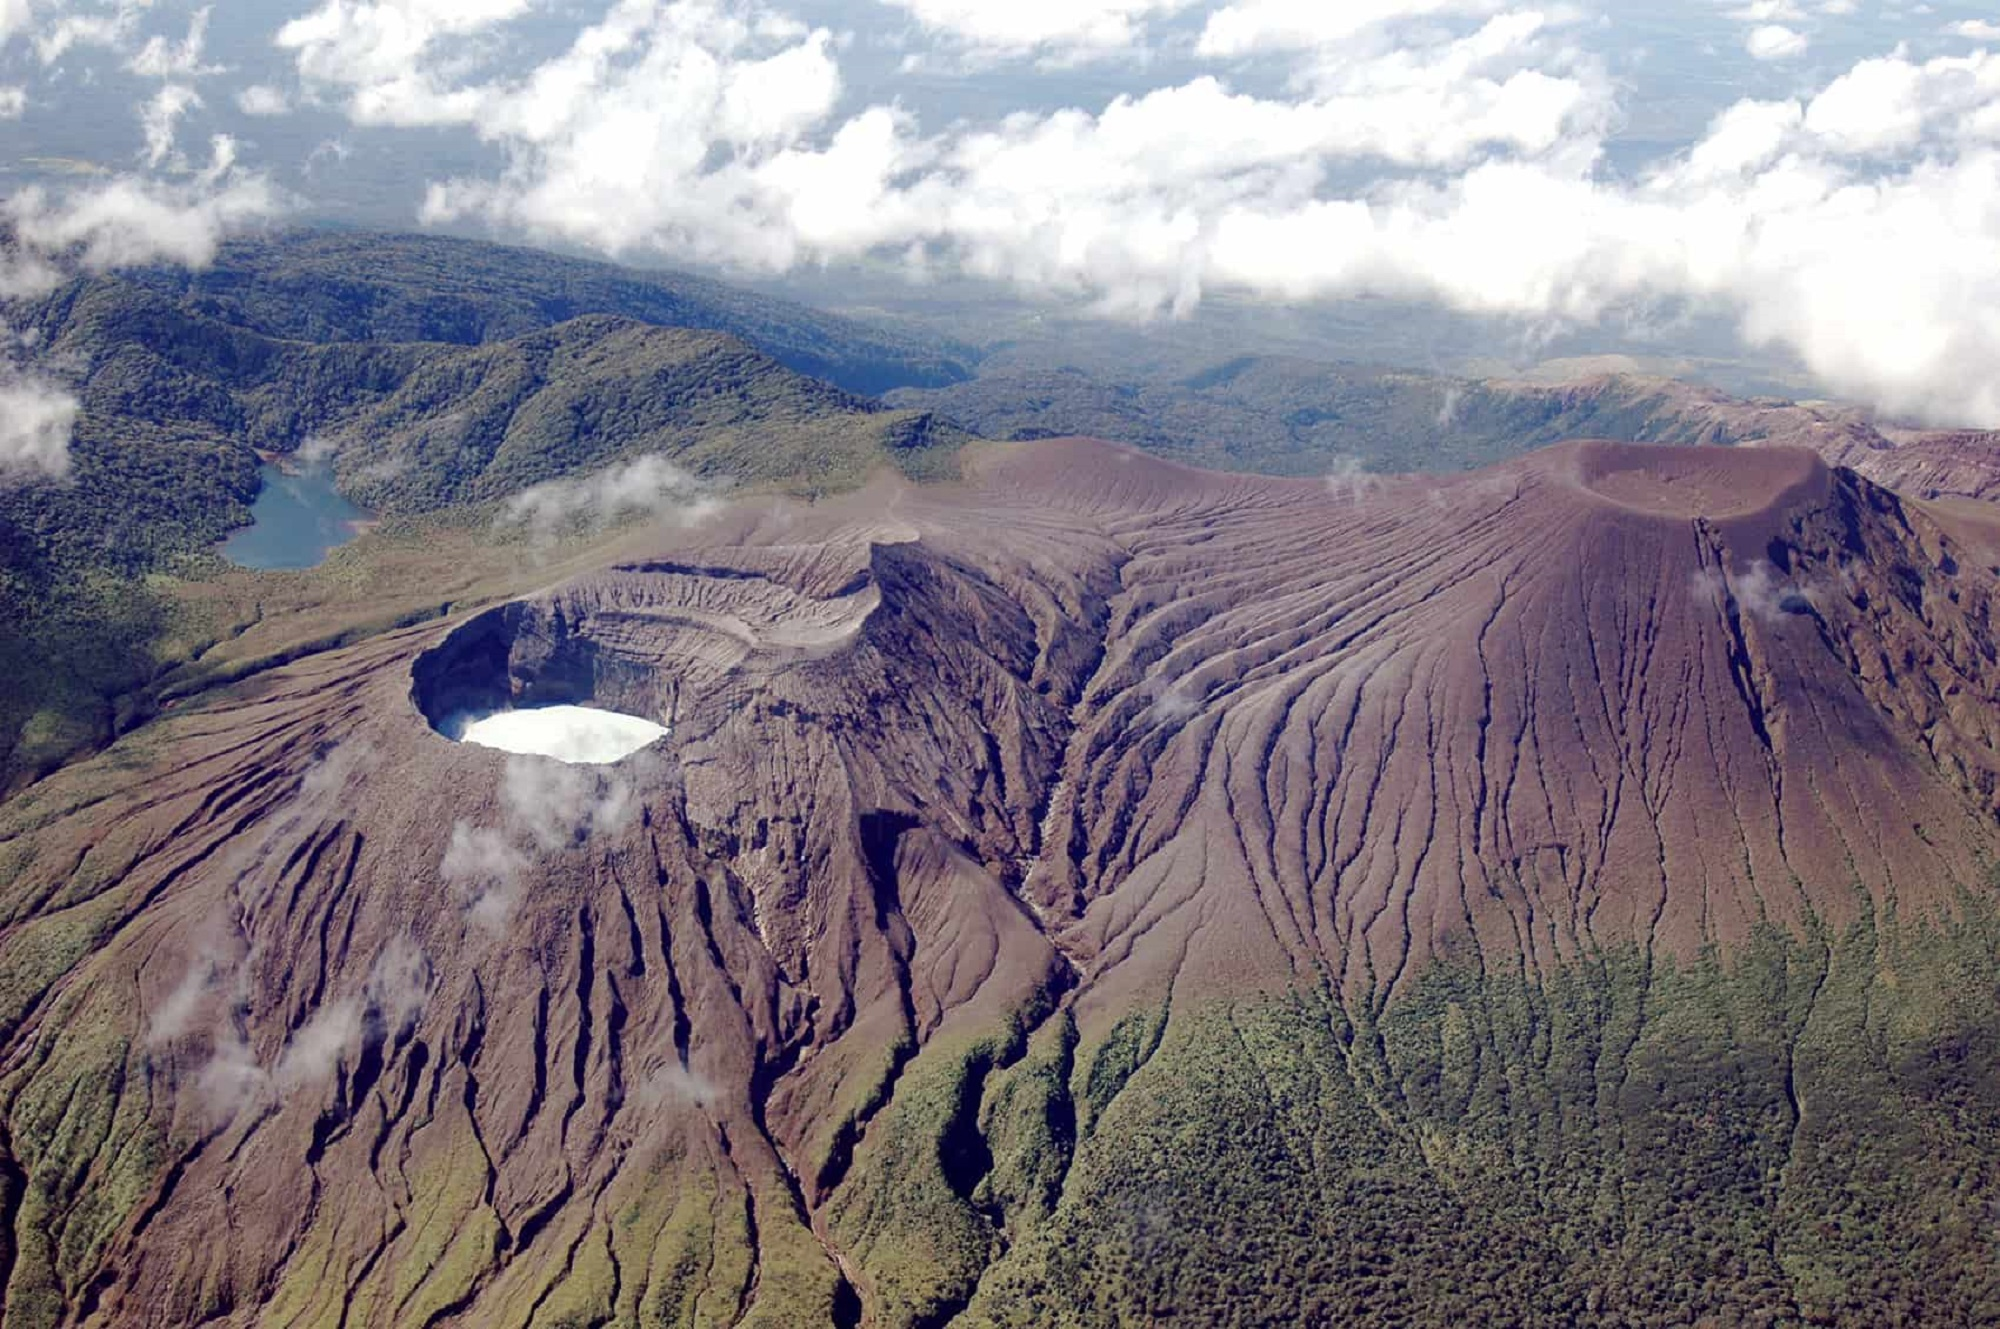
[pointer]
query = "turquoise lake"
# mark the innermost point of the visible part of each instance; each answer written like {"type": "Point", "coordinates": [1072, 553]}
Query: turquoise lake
{"type": "Point", "coordinates": [297, 520]}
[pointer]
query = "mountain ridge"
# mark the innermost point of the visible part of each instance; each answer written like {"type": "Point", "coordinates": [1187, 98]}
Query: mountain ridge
{"type": "Point", "coordinates": [1092, 889]}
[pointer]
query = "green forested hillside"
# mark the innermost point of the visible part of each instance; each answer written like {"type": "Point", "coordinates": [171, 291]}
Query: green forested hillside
{"type": "Point", "coordinates": [331, 287]}
{"type": "Point", "coordinates": [477, 424]}
{"type": "Point", "coordinates": [1796, 1133]}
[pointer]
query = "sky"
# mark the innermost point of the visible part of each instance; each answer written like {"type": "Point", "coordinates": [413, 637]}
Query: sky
{"type": "Point", "coordinates": [1823, 176]}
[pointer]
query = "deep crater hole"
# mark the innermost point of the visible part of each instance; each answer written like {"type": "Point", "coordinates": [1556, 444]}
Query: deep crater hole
{"type": "Point", "coordinates": [525, 678]}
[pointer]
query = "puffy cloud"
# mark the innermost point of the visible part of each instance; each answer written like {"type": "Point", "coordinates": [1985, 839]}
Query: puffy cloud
{"type": "Point", "coordinates": [1775, 41]}
{"type": "Point", "coordinates": [488, 868]}
{"type": "Point", "coordinates": [674, 1085]}
{"type": "Point", "coordinates": [312, 1053]}
{"type": "Point", "coordinates": [130, 220]}
{"type": "Point", "coordinates": [398, 986]}
{"type": "Point", "coordinates": [640, 138]}
{"type": "Point", "coordinates": [176, 64]}
{"type": "Point", "coordinates": [376, 50]}
{"type": "Point", "coordinates": [212, 994]}
{"type": "Point", "coordinates": [1249, 26]}
{"type": "Point", "coordinates": [1759, 591]}
{"type": "Point", "coordinates": [1890, 106]}
{"type": "Point", "coordinates": [547, 807]}
{"type": "Point", "coordinates": [36, 420]}
{"type": "Point", "coordinates": [1350, 481]}
{"type": "Point", "coordinates": [648, 485]}
{"type": "Point", "coordinates": [175, 1016]}
{"type": "Point", "coordinates": [135, 217]}
{"type": "Point", "coordinates": [158, 117]}
{"type": "Point", "coordinates": [1056, 29]}
{"type": "Point", "coordinates": [165, 59]}
{"type": "Point", "coordinates": [261, 99]}
{"type": "Point", "coordinates": [560, 805]}
{"type": "Point", "coordinates": [108, 23]}
{"type": "Point", "coordinates": [672, 126]}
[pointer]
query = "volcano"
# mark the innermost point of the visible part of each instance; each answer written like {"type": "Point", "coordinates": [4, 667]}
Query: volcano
{"type": "Point", "coordinates": [1091, 892]}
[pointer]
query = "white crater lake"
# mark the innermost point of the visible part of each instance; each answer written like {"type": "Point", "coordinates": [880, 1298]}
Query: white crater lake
{"type": "Point", "coordinates": [579, 735]}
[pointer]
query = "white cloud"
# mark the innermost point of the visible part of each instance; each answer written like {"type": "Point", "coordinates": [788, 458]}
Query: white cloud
{"type": "Point", "coordinates": [1891, 106]}
{"type": "Point", "coordinates": [648, 485]}
{"type": "Point", "coordinates": [158, 117]}
{"type": "Point", "coordinates": [667, 125]}
{"type": "Point", "coordinates": [176, 1015]}
{"type": "Point", "coordinates": [131, 220]}
{"type": "Point", "coordinates": [377, 50]}
{"type": "Point", "coordinates": [641, 138]}
{"type": "Point", "coordinates": [1056, 29]}
{"type": "Point", "coordinates": [1250, 26]}
{"type": "Point", "coordinates": [558, 805]}
{"type": "Point", "coordinates": [674, 1084]}
{"type": "Point", "coordinates": [394, 994]}
{"type": "Point", "coordinates": [118, 220]}
{"type": "Point", "coordinates": [262, 99]}
{"type": "Point", "coordinates": [313, 1051]}
{"type": "Point", "coordinates": [36, 420]}
{"type": "Point", "coordinates": [164, 59]}
{"type": "Point", "coordinates": [176, 64]}
{"type": "Point", "coordinates": [488, 868]}
{"type": "Point", "coordinates": [545, 805]}
{"type": "Point", "coordinates": [108, 25]}
{"type": "Point", "coordinates": [1770, 11]}
{"type": "Point", "coordinates": [121, 222]}
{"type": "Point", "coordinates": [1978, 29]}
{"type": "Point", "coordinates": [1775, 41]}
{"type": "Point", "coordinates": [482, 856]}
{"type": "Point", "coordinates": [1758, 591]}
{"type": "Point", "coordinates": [1350, 481]}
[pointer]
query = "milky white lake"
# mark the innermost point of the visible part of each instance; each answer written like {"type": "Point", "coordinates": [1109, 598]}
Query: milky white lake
{"type": "Point", "coordinates": [580, 735]}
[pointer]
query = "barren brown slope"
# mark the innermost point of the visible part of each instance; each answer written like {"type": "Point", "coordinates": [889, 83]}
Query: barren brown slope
{"type": "Point", "coordinates": [1920, 462]}
{"type": "Point", "coordinates": [875, 991]}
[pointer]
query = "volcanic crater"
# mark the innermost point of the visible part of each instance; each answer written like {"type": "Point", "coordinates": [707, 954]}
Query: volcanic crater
{"type": "Point", "coordinates": [1685, 483]}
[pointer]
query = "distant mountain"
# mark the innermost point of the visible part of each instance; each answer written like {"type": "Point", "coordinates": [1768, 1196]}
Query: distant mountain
{"type": "Point", "coordinates": [471, 425]}
{"type": "Point", "coordinates": [337, 287]}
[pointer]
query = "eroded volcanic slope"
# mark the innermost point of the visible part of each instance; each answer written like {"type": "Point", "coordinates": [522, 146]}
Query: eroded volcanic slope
{"type": "Point", "coordinates": [1100, 892]}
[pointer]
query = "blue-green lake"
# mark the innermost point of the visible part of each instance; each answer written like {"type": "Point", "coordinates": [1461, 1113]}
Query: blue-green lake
{"type": "Point", "coordinates": [297, 520]}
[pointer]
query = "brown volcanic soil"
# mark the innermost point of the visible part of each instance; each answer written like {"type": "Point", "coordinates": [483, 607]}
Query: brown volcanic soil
{"type": "Point", "coordinates": [330, 1020]}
